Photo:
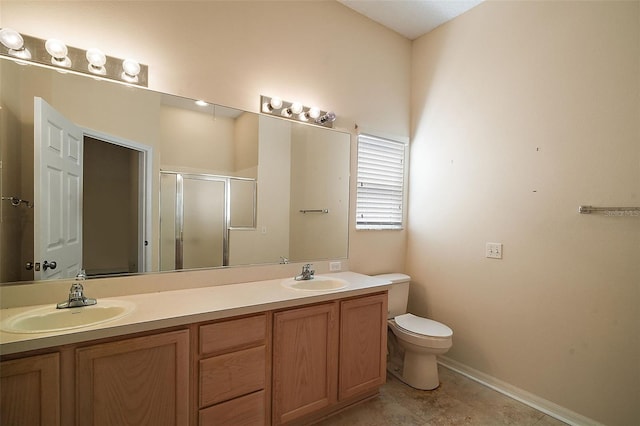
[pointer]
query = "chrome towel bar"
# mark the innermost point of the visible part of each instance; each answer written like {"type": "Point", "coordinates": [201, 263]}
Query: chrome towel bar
{"type": "Point", "coordinates": [315, 211]}
{"type": "Point", "coordinates": [610, 211]}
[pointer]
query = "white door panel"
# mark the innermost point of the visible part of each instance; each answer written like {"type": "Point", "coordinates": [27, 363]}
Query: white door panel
{"type": "Point", "coordinates": [58, 193]}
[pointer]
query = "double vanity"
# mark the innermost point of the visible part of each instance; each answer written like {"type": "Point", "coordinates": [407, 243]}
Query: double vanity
{"type": "Point", "coordinates": [266, 352]}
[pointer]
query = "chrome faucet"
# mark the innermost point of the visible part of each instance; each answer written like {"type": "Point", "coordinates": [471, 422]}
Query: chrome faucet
{"type": "Point", "coordinates": [307, 273]}
{"type": "Point", "coordinates": [76, 298]}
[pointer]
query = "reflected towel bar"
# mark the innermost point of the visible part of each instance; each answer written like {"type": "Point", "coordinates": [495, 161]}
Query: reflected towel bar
{"type": "Point", "coordinates": [315, 211]}
{"type": "Point", "coordinates": [610, 211]}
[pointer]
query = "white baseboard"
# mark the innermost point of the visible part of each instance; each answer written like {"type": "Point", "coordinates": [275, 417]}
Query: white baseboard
{"type": "Point", "coordinates": [527, 398]}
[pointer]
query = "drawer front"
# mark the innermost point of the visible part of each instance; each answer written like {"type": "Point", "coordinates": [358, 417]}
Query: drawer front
{"type": "Point", "coordinates": [231, 375]}
{"type": "Point", "coordinates": [237, 333]}
{"type": "Point", "coordinates": [247, 410]}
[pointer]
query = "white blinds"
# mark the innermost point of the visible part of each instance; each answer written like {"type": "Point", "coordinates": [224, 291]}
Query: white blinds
{"type": "Point", "coordinates": [380, 183]}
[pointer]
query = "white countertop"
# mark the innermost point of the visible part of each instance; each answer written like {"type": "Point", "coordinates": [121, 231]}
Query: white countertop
{"type": "Point", "coordinates": [181, 307]}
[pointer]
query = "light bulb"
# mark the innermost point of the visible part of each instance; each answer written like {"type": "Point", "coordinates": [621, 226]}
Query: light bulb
{"type": "Point", "coordinates": [58, 51]}
{"type": "Point", "coordinates": [327, 118]}
{"type": "Point", "coordinates": [296, 108]}
{"type": "Point", "coordinates": [96, 59]}
{"type": "Point", "coordinates": [56, 48]}
{"type": "Point", "coordinates": [201, 103]}
{"type": "Point", "coordinates": [314, 112]}
{"type": "Point", "coordinates": [11, 39]}
{"type": "Point", "coordinates": [131, 67]}
{"type": "Point", "coordinates": [276, 103]}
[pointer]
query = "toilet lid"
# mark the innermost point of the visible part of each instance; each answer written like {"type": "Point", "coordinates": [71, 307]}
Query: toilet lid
{"type": "Point", "coordinates": [423, 326]}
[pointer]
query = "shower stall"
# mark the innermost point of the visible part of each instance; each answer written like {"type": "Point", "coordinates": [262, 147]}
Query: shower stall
{"type": "Point", "coordinates": [197, 211]}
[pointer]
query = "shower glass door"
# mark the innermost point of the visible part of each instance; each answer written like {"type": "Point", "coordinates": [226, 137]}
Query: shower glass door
{"type": "Point", "coordinates": [193, 231]}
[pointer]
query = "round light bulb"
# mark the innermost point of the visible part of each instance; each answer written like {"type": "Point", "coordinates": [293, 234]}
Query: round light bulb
{"type": "Point", "coordinates": [96, 57]}
{"type": "Point", "coordinates": [56, 48]}
{"type": "Point", "coordinates": [296, 108]}
{"type": "Point", "coordinates": [11, 39]}
{"type": "Point", "coordinates": [327, 118]}
{"type": "Point", "coordinates": [276, 103]}
{"type": "Point", "coordinates": [314, 112]}
{"type": "Point", "coordinates": [131, 67]}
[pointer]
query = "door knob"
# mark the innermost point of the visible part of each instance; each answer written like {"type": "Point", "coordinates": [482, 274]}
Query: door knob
{"type": "Point", "coordinates": [28, 266]}
{"type": "Point", "coordinates": [46, 265]}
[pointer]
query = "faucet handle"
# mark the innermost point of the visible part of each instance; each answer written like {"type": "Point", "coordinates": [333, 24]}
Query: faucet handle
{"type": "Point", "coordinates": [76, 292]}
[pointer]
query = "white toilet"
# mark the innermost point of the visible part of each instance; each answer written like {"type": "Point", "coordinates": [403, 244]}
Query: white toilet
{"type": "Point", "coordinates": [412, 341]}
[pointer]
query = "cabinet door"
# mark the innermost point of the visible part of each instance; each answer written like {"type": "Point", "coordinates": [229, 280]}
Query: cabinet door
{"type": "Point", "coordinates": [363, 344]}
{"type": "Point", "coordinates": [139, 381]}
{"type": "Point", "coordinates": [305, 352]}
{"type": "Point", "coordinates": [30, 391]}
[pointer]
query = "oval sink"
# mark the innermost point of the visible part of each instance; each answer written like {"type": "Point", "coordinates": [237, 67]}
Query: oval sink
{"type": "Point", "coordinates": [319, 283]}
{"type": "Point", "coordinates": [49, 319]}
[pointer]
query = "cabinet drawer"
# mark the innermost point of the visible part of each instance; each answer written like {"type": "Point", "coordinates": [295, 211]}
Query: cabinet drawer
{"type": "Point", "coordinates": [228, 335]}
{"type": "Point", "coordinates": [248, 410]}
{"type": "Point", "coordinates": [230, 375]}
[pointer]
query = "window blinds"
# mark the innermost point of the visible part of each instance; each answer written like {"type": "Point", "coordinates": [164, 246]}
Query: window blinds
{"type": "Point", "coordinates": [380, 183]}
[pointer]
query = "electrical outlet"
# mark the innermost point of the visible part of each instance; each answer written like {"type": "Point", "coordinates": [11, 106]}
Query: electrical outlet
{"type": "Point", "coordinates": [335, 266]}
{"type": "Point", "coordinates": [493, 250]}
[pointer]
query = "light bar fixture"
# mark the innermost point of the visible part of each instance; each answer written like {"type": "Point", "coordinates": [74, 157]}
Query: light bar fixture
{"type": "Point", "coordinates": [296, 111]}
{"type": "Point", "coordinates": [55, 53]}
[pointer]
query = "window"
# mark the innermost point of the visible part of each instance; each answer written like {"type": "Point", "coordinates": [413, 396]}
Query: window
{"type": "Point", "coordinates": [380, 185]}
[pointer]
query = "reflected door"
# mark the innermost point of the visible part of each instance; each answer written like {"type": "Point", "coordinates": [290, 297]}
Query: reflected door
{"type": "Point", "coordinates": [57, 193]}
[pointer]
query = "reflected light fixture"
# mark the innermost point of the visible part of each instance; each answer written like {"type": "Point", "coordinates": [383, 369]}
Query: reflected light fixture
{"type": "Point", "coordinates": [54, 52]}
{"type": "Point", "coordinates": [296, 111]}
{"type": "Point", "coordinates": [58, 51]}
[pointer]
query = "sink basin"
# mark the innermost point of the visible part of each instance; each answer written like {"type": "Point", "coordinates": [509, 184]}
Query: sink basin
{"type": "Point", "coordinates": [49, 319]}
{"type": "Point", "coordinates": [319, 283]}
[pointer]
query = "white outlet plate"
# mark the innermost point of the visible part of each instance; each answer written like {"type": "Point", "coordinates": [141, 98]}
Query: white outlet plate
{"type": "Point", "coordinates": [335, 266]}
{"type": "Point", "coordinates": [493, 250]}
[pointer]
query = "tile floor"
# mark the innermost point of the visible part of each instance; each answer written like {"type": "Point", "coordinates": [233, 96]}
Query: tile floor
{"type": "Point", "coordinates": [458, 401]}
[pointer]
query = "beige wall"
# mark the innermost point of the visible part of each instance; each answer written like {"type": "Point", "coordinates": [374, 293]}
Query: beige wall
{"type": "Point", "coordinates": [318, 52]}
{"type": "Point", "coordinates": [521, 112]}
{"type": "Point", "coordinates": [270, 239]}
{"type": "Point", "coordinates": [196, 142]}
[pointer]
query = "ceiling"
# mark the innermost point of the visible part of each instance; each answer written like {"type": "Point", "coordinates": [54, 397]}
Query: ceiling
{"type": "Point", "coordinates": [411, 18]}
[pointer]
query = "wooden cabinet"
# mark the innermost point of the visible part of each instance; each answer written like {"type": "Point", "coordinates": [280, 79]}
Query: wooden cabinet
{"type": "Point", "coordinates": [232, 372]}
{"type": "Point", "coordinates": [30, 391]}
{"type": "Point", "coordinates": [142, 380]}
{"type": "Point", "coordinates": [328, 356]}
{"type": "Point", "coordinates": [305, 356]}
{"type": "Point", "coordinates": [363, 345]}
{"type": "Point", "coordinates": [291, 366]}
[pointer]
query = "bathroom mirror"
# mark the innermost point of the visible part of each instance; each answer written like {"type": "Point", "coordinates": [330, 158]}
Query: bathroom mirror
{"type": "Point", "coordinates": [162, 184]}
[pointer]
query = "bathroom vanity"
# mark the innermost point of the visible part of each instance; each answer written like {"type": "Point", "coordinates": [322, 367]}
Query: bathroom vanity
{"type": "Point", "coordinates": [253, 354]}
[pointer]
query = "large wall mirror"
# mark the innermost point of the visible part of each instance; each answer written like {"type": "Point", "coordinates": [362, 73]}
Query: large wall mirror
{"type": "Point", "coordinates": [110, 179]}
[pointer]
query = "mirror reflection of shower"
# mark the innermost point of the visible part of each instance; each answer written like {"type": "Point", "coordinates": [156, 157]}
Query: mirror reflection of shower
{"type": "Point", "coordinates": [197, 211]}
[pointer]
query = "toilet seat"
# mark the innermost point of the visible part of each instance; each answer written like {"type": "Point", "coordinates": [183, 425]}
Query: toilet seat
{"type": "Point", "coordinates": [423, 326]}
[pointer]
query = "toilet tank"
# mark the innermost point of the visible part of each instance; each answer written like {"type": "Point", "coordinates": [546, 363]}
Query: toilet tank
{"type": "Point", "coordinates": [398, 293]}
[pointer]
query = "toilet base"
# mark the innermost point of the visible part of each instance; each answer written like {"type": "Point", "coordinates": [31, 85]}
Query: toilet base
{"type": "Point", "coordinates": [421, 371]}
